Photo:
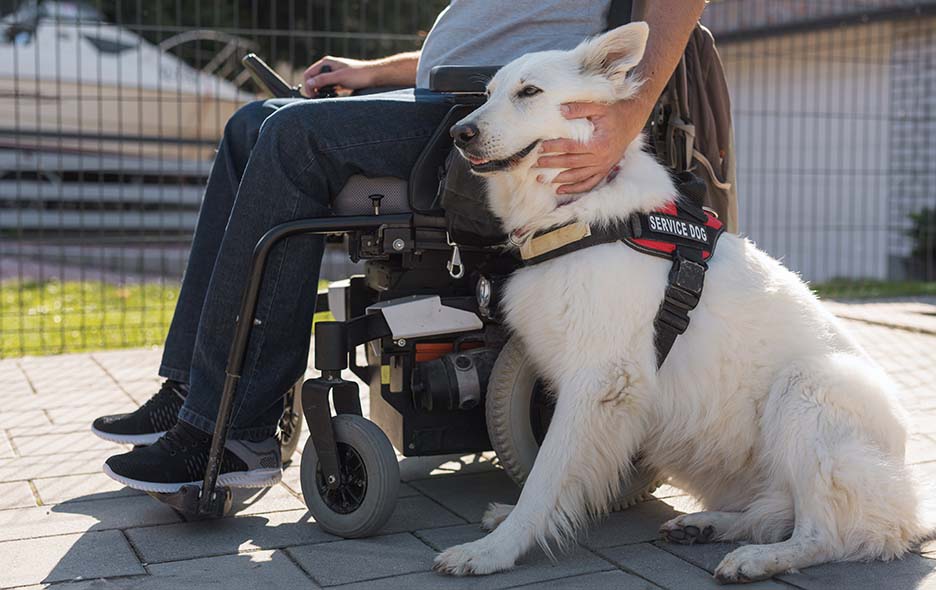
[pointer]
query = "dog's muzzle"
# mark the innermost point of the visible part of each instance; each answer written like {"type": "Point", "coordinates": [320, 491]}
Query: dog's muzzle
{"type": "Point", "coordinates": [482, 166]}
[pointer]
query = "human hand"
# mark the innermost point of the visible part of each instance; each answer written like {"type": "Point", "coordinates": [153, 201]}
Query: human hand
{"type": "Point", "coordinates": [587, 164]}
{"type": "Point", "coordinates": [348, 74]}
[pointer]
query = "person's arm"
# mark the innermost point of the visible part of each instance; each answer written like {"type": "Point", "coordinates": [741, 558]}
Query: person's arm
{"type": "Point", "coordinates": [617, 124]}
{"type": "Point", "coordinates": [396, 70]}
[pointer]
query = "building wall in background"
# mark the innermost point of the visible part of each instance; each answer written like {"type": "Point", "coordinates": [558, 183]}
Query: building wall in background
{"type": "Point", "coordinates": [812, 132]}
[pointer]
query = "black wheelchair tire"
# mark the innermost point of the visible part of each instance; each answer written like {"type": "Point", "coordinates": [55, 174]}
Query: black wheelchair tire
{"type": "Point", "coordinates": [382, 479]}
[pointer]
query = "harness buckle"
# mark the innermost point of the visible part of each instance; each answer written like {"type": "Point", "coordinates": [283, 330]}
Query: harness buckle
{"type": "Point", "coordinates": [682, 293]}
{"type": "Point", "coordinates": [689, 276]}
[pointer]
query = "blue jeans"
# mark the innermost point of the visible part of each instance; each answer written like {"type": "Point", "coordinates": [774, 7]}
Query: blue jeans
{"type": "Point", "coordinates": [279, 160]}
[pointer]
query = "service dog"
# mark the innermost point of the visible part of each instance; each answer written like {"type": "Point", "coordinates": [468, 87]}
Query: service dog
{"type": "Point", "coordinates": [765, 409]}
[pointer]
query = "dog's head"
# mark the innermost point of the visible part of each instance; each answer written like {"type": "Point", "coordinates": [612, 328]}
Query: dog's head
{"type": "Point", "coordinates": [524, 99]}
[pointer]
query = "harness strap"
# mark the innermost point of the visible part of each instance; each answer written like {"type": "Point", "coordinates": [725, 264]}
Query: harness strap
{"type": "Point", "coordinates": [683, 291]}
{"type": "Point", "coordinates": [574, 236]}
{"type": "Point", "coordinates": [684, 233]}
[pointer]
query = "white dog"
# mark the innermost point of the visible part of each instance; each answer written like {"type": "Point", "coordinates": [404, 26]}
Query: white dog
{"type": "Point", "coordinates": [765, 409]}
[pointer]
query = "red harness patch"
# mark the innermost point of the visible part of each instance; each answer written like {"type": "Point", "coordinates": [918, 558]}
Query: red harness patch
{"type": "Point", "coordinates": [672, 225]}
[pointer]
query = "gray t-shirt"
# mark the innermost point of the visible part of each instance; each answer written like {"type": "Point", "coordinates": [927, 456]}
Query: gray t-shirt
{"type": "Point", "coordinates": [494, 32]}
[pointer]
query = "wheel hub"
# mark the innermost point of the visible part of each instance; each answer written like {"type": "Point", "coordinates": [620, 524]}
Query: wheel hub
{"type": "Point", "coordinates": [351, 490]}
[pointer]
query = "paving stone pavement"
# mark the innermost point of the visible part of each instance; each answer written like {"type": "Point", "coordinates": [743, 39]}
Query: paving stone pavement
{"type": "Point", "coordinates": [63, 524]}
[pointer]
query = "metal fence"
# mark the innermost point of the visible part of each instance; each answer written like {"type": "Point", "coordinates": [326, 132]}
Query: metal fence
{"type": "Point", "coordinates": [110, 112]}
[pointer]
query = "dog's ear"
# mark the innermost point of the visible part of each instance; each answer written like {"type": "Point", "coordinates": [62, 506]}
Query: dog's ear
{"type": "Point", "coordinates": [616, 52]}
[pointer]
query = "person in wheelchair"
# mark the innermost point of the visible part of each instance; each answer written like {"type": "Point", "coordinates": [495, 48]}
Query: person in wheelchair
{"type": "Point", "coordinates": [287, 159]}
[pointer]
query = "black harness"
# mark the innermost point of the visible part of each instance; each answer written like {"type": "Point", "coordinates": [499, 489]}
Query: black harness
{"type": "Point", "coordinates": [682, 231]}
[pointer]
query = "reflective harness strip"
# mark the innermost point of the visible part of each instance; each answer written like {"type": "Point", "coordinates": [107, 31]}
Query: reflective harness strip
{"type": "Point", "coordinates": [681, 231]}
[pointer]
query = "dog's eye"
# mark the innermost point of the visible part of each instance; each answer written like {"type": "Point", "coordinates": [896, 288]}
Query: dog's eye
{"type": "Point", "coordinates": [528, 91]}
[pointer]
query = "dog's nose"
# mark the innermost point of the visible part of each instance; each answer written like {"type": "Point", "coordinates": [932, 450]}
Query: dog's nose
{"type": "Point", "coordinates": [464, 133]}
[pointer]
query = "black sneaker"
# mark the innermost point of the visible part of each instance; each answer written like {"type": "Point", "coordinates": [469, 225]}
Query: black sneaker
{"type": "Point", "coordinates": [179, 458]}
{"type": "Point", "coordinates": [149, 422]}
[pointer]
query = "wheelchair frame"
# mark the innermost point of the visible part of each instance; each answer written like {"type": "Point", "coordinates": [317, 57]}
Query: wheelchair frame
{"type": "Point", "coordinates": [424, 231]}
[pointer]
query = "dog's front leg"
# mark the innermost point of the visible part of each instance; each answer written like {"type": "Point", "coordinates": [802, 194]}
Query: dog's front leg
{"type": "Point", "coordinates": [595, 430]}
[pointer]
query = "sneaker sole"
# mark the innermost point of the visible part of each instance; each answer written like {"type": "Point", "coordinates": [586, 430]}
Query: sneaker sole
{"type": "Point", "coordinates": [258, 478]}
{"type": "Point", "coordinates": [129, 439]}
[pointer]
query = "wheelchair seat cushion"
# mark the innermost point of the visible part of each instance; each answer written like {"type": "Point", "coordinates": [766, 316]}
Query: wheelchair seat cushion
{"type": "Point", "coordinates": [356, 196]}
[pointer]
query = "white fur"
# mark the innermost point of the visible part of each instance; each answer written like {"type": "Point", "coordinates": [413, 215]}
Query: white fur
{"type": "Point", "coordinates": [765, 409]}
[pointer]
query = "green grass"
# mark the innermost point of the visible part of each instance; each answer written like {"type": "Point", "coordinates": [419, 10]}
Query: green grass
{"type": "Point", "coordinates": [52, 317]}
{"type": "Point", "coordinates": [871, 289]}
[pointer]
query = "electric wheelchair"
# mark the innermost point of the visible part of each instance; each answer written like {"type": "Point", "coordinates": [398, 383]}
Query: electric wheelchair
{"type": "Point", "coordinates": [444, 376]}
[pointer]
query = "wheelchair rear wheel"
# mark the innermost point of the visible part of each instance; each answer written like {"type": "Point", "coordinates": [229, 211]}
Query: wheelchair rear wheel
{"type": "Point", "coordinates": [370, 480]}
{"type": "Point", "coordinates": [518, 409]}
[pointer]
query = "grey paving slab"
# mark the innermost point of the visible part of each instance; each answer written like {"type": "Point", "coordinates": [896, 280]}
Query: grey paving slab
{"type": "Point", "coordinates": [614, 579]}
{"type": "Point", "coordinates": [254, 570]}
{"type": "Point", "coordinates": [415, 468]}
{"type": "Point", "coordinates": [23, 468]}
{"type": "Point", "coordinates": [76, 517]}
{"type": "Point", "coordinates": [49, 428]}
{"type": "Point", "coordinates": [469, 495]}
{"type": "Point", "coordinates": [706, 556]}
{"type": "Point", "coordinates": [129, 365]}
{"type": "Point", "coordinates": [921, 448]}
{"type": "Point", "coordinates": [226, 536]}
{"type": "Point", "coordinates": [66, 557]}
{"type": "Point", "coordinates": [85, 414]}
{"type": "Point", "coordinates": [532, 568]}
{"type": "Point", "coordinates": [63, 444]}
{"type": "Point", "coordinates": [258, 501]}
{"type": "Point", "coordinates": [638, 524]}
{"type": "Point", "coordinates": [20, 399]}
{"type": "Point", "coordinates": [23, 419]}
{"type": "Point", "coordinates": [81, 488]}
{"type": "Point", "coordinates": [667, 570]}
{"type": "Point", "coordinates": [6, 447]}
{"type": "Point", "coordinates": [16, 495]}
{"type": "Point", "coordinates": [246, 571]}
{"type": "Point", "coordinates": [344, 562]}
{"type": "Point", "coordinates": [418, 512]}
{"type": "Point", "coordinates": [910, 573]}
{"type": "Point", "coordinates": [407, 491]}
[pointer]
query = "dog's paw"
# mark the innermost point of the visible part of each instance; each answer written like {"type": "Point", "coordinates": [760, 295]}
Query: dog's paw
{"type": "Point", "coordinates": [744, 564]}
{"type": "Point", "coordinates": [494, 515]}
{"type": "Point", "coordinates": [473, 559]}
{"type": "Point", "coordinates": [687, 530]}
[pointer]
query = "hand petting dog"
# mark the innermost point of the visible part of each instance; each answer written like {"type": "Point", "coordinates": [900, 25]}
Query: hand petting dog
{"type": "Point", "coordinates": [587, 164]}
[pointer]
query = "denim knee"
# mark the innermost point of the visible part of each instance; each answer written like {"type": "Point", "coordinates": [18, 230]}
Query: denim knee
{"type": "Point", "coordinates": [244, 125]}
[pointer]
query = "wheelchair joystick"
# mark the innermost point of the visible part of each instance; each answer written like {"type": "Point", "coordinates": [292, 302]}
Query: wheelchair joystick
{"type": "Point", "coordinates": [326, 91]}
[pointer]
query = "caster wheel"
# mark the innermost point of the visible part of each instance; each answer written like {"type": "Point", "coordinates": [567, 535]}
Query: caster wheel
{"type": "Point", "coordinates": [370, 480]}
{"type": "Point", "coordinates": [518, 409]}
{"type": "Point", "coordinates": [290, 425]}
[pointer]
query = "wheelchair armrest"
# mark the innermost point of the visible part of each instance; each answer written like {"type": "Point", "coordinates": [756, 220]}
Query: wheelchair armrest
{"type": "Point", "coordinates": [471, 79]}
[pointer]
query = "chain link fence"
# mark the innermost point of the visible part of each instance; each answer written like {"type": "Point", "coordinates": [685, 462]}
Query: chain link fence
{"type": "Point", "coordinates": [110, 112]}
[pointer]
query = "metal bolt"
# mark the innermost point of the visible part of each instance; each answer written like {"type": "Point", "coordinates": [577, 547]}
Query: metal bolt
{"type": "Point", "coordinates": [331, 479]}
{"type": "Point", "coordinates": [399, 244]}
{"type": "Point", "coordinates": [401, 342]}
